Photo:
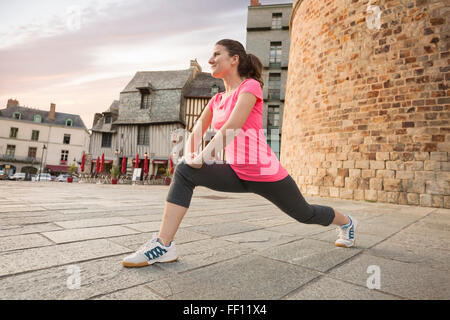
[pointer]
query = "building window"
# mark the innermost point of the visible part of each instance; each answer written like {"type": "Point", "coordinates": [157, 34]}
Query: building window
{"type": "Point", "coordinates": [106, 139]}
{"type": "Point", "coordinates": [13, 132]}
{"type": "Point", "coordinates": [107, 119]}
{"type": "Point", "coordinates": [66, 139]}
{"type": "Point", "coordinates": [274, 85]}
{"type": "Point", "coordinates": [143, 137]}
{"type": "Point", "coordinates": [17, 115]}
{"type": "Point", "coordinates": [10, 150]}
{"type": "Point", "coordinates": [37, 118]}
{"type": "Point", "coordinates": [275, 54]}
{"type": "Point", "coordinates": [273, 117]}
{"type": "Point", "coordinates": [35, 135]}
{"type": "Point", "coordinates": [64, 155]}
{"type": "Point", "coordinates": [145, 100]}
{"type": "Point", "coordinates": [69, 123]}
{"type": "Point", "coordinates": [32, 152]}
{"type": "Point", "coordinates": [214, 89]}
{"type": "Point", "coordinates": [276, 20]}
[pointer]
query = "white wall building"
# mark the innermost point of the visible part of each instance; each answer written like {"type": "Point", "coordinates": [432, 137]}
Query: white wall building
{"type": "Point", "coordinates": [25, 131]}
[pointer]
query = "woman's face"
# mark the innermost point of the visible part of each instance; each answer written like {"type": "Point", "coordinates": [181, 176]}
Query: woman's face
{"type": "Point", "coordinates": [221, 62]}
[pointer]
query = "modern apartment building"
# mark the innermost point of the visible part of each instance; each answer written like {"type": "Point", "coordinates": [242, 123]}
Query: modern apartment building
{"type": "Point", "coordinates": [268, 39]}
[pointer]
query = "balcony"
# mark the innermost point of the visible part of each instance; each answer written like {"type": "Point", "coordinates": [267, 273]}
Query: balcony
{"type": "Point", "coordinates": [14, 158]}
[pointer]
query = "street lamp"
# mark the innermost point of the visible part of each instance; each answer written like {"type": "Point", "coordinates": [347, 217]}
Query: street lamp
{"type": "Point", "coordinates": [40, 167]}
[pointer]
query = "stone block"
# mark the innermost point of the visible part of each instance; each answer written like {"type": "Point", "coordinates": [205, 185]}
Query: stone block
{"type": "Point", "coordinates": [345, 193]}
{"type": "Point", "coordinates": [374, 164]}
{"type": "Point", "coordinates": [412, 198]}
{"type": "Point", "coordinates": [392, 185]}
{"type": "Point", "coordinates": [339, 181]}
{"type": "Point", "coordinates": [413, 186]}
{"type": "Point", "coordinates": [381, 156]}
{"type": "Point", "coordinates": [414, 165]}
{"type": "Point", "coordinates": [421, 156]}
{"type": "Point", "coordinates": [349, 164]}
{"type": "Point", "coordinates": [351, 183]}
{"type": "Point", "coordinates": [432, 165]}
{"type": "Point", "coordinates": [404, 174]}
{"type": "Point", "coordinates": [354, 173]}
{"type": "Point", "coordinates": [362, 164]}
{"type": "Point", "coordinates": [368, 173]}
{"type": "Point", "coordinates": [370, 195]}
{"type": "Point", "coordinates": [334, 192]}
{"type": "Point", "coordinates": [392, 197]}
{"type": "Point", "coordinates": [425, 200]}
{"type": "Point", "coordinates": [376, 184]}
{"type": "Point", "coordinates": [438, 156]}
{"type": "Point", "coordinates": [385, 173]}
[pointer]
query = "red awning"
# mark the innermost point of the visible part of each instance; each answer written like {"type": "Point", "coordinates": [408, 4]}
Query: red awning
{"type": "Point", "coordinates": [57, 168]}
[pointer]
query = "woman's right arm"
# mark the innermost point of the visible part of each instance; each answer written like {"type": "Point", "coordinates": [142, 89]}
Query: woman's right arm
{"type": "Point", "coordinates": [200, 127]}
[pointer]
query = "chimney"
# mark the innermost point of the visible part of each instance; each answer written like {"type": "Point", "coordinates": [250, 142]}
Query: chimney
{"type": "Point", "coordinates": [254, 3]}
{"type": "Point", "coordinates": [12, 103]}
{"type": "Point", "coordinates": [196, 67]}
{"type": "Point", "coordinates": [52, 113]}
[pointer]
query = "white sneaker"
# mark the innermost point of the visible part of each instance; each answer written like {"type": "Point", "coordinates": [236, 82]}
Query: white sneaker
{"type": "Point", "coordinates": [346, 234]}
{"type": "Point", "coordinates": [151, 252]}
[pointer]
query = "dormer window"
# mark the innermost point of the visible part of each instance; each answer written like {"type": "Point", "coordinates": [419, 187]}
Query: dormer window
{"type": "Point", "coordinates": [37, 118]}
{"type": "Point", "coordinates": [17, 115]}
{"type": "Point", "coordinates": [214, 89]}
{"type": "Point", "coordinates": [145, 98]}
{"type": "Point", "coordinates": [107, 118]}
{"type": "Point", "coordinates": [69, 123]}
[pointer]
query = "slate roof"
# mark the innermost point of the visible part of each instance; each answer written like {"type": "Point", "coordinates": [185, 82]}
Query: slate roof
{"type": "Point", "coordinates": [200, 87]}
{"type": "Point", "coordinates": [27, 114]}
{"type": "Point", "coordinates": [100, 125]}
{"type": "Point", "coordinates": [159, 80]}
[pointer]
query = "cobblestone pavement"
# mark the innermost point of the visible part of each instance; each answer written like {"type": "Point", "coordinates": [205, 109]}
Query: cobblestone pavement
{"type": "Point", "coordinates": [67, 241]}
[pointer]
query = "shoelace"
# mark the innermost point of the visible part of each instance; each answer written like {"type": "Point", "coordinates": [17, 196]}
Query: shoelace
{"type": "Point", "coordinates": [146, 246]}
{"type": "Point", "coordinates": [342, 232]}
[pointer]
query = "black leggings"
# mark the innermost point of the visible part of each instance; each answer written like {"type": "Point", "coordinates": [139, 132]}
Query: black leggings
{"type": "Point", "coordinates": [221, 177]}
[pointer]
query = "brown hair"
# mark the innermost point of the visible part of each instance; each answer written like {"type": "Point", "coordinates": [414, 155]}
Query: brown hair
{"type": "Point", "coordinates": [249, 65]}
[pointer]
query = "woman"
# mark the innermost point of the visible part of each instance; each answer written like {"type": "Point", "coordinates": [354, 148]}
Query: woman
{"type": "Point", "coordinates": [236, 114]}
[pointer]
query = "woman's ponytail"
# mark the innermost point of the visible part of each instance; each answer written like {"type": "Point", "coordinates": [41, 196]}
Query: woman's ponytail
{"type": "Point", "coordinates": [254, 68]}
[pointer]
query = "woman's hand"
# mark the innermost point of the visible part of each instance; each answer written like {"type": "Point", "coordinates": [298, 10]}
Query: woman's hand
{"type": "Point", "coordinates": [194, 161]}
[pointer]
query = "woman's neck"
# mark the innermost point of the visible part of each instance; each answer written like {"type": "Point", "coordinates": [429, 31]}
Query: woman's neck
{"type": "Point", "coordinates": [232, 82]}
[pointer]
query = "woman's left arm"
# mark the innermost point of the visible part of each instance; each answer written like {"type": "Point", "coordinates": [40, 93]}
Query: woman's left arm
{"type": "Point", "coordinates": [244, 105]}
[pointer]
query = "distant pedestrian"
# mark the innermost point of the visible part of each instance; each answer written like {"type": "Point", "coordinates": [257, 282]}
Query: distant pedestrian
{"type": "Point", "coordinates": [237, 115]}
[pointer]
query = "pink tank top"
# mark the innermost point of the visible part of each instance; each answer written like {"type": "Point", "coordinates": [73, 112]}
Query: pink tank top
{"type": "Point", "coordinates": [249, 154]}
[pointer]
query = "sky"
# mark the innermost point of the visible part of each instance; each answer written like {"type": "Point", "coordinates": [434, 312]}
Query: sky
{"type": "Point", "coordinates": [81, 54]}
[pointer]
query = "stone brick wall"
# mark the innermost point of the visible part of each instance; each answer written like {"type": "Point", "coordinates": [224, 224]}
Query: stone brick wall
{"type": "Point", "coordinates": [367, 110]}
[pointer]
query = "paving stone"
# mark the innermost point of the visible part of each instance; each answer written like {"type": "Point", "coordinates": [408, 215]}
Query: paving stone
{"type": "Point", "coordinates": [96, 277]}
{"type": "Point", "coordinates": [23, 242]}
{"type": "Point", "coordinates": [299, 229]}
{"type": "Point", "coordinates": [247, 277]}
{"type": "Point", "coordinates": [151, 226]}
{"type": "Point", "coordinates": [222, 229]}
{"type": "Point", "coordinates": [86, 223]}
{"type": "Point", "coordinates": [71, 235]}
{"type": "Point", "coordinates": [261, 239]}
{"type": "Point", "coordinates": [50, 256]}
{"type": "Point", "coordinates": [136, 293]}
{"type": "Point", "coordinates": [327, 288]}
{"type": "Point", "coordinates": [25, 229]}
{"type": "Point", "coordinates": [399, 278]}
{"type": "Point", "coordinates": [421, 250]}
{"type": "Point", "coordinates": [312, 254]}
{"type": "Point", "coordinates": [196, 254]}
